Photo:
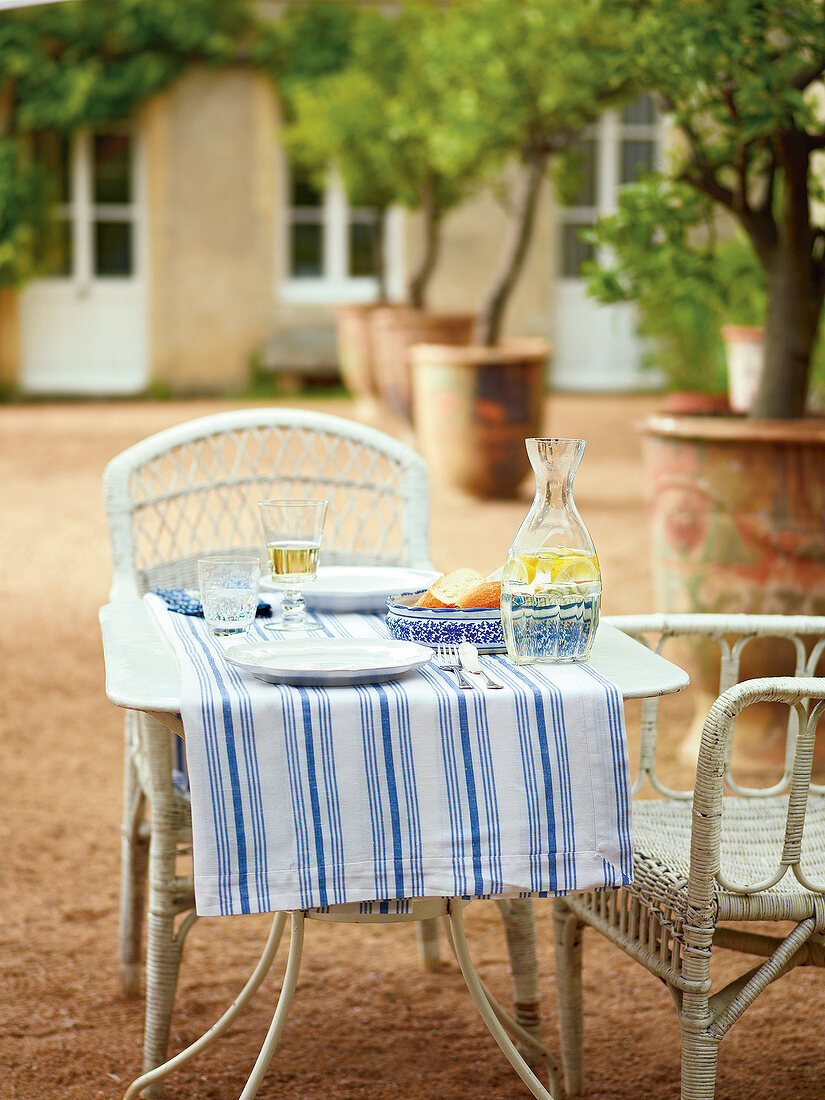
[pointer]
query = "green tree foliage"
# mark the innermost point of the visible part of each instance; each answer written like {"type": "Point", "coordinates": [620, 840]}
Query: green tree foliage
{"type": "Point", "coordinates": [63, 66]}
{"type": "Point", "coordinates": [308, 42]}
{"type": "Point", "coordinates": [519, 79]}
{"type": "Point", "coordinates": [23, 206]}
{"type": "Point", "coordinates": [742, 80]}
{"type": "Point", "coordinates": [665, 254]}
{"type": "Point", "coordinates": [374, 119]}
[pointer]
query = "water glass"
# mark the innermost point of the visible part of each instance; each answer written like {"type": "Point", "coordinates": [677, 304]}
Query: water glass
{"type": "Point", "coordinates": [229, 593]}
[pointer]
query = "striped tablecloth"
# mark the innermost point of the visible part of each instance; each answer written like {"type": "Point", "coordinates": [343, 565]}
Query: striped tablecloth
{"type": "Point", "coordinates": [305, 797]}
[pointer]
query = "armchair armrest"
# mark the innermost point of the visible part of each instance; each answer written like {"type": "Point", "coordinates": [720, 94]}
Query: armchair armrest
{"type": "Point", "coordinates": [714, 754]}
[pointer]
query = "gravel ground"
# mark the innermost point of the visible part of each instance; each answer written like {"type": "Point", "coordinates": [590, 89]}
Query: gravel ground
{"type": "Point", "coordinates": [377, 1025]}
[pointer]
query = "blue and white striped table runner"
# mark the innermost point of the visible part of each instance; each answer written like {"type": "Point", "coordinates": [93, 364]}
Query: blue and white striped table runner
{"type": "Point", "coordinates": [305, 797]}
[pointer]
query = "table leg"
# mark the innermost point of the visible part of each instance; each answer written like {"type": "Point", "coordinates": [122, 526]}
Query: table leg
{"type": "Point", "coordinates": [293, 965]}
{"type": "Point", "coordinates": [244, 997]}
{"type": "Point", "coordinates": [497, 1021]}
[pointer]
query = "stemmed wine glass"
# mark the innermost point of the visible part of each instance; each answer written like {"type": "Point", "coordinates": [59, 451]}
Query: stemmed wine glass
{"type": "Point", "coordinates": [293, 530]}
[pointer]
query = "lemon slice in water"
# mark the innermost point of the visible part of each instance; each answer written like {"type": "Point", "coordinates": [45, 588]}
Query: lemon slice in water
{"type": "Point", "coordinates": [575, 569]}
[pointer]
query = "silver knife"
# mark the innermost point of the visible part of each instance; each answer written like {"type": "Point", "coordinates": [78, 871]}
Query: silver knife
{"type": "Point", "coordinates": [468, 655]}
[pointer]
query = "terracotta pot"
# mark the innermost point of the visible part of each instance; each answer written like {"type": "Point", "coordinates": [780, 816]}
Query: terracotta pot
{"type": "Point", "coordinates": [474, 407]}
{"type": "Point", "coordinates": [695, 403]}
{"type": "Point", "coordinates": [738, 525]}
{"type": "Point", "coordinates": [745, 353]}
{"type": "Point", "coordinates": [355, 349]}
{"type": "Point", "coordinates": [394, 332]}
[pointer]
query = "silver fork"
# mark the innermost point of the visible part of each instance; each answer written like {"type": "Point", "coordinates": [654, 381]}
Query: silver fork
{"type": "Point", "coordinates": [446, 657]}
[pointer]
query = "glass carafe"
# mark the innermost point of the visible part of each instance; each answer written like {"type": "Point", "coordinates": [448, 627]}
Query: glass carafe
{"type": "Point", "coordinates": [551, 584]}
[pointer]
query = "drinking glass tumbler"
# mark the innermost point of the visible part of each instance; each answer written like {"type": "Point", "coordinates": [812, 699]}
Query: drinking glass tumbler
{"type": "Point", "coordinates": [229, 592]}
{"type": "Point", "coordinates": [293, 530]}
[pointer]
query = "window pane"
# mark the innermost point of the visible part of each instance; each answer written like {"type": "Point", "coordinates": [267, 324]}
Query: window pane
{"type": "Point", "coordinates": [637, 158]}
{"type": "Point", "coordinates": [306, 251]}
{"type": "Point", "coordinates": [52, 151]}
{"type": "Point", "coordinates": [304, 193]}
{"type": "Point", "coordinates": [362, 247]}
{"type": "Point", "coordinates": [113, 248]}
{"type": "Point", "coordinates": [574, 251]}
{"type": "Point", "coordinates": [112, 168]}
{"type": "Point", "coordinates": [54, 252]}
{"type": "Point", "coordinates": [586, 193]}
{"type": "Point", "coordinates": [643, 111]}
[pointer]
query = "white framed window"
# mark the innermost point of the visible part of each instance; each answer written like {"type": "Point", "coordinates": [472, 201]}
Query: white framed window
{"type": "Point", "coordinates": [617, 149]}
{"type": "Point", "coordinates": [95, 219]}
{"type": "Point", "coordinates": [330, 247]}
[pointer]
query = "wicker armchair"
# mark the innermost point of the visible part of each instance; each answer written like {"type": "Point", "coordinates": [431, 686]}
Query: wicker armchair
{"type": "Point", "coordinates": [710, 858]}
{"type": "Point", "coordinates": [192, 490]}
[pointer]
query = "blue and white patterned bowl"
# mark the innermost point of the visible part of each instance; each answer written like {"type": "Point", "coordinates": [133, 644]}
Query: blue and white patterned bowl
{"type": "Point", "coordinates": [434, 626]}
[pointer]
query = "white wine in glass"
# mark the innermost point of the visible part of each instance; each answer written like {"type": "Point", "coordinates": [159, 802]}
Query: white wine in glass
{"type": "Point", "coordinates": [293, 530]}
{"type": "Point", "coordinates": [293, 562]}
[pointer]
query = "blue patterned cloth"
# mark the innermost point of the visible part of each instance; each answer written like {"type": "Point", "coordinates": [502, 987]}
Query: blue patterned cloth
{"type": "Point", "coordinates": [185, 603]}
{"type": "Point", "coordinates": [305, 797]}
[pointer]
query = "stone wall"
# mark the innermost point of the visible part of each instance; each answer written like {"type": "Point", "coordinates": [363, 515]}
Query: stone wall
{"type": "Point", "coordinates": [211, 196]}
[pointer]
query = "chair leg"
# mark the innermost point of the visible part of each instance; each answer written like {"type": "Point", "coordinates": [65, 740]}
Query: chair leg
{"type": "Point", "coordinates": [568, 937]}
{"type": "Point", "coordinates": [133, 866]}
{"type": "Point", "coordinates": [520, 932]}
{"type": "Point", "coordinates": [428, 943]}
{"type": "Point", "coordinates": [699, 1058]}
{"type": "Point", "coordinates": [163, 955]}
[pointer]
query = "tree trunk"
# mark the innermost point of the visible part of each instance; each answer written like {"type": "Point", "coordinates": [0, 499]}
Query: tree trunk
{"type": "Point", "coordinates": [491, 317]}
{"type": "Point", "coordinates": [790, 330]}
{"type": "Point", "coordinates": [419, 281]}
{"type": "Point", "coordinates": [379, 251]}
{"type": "Point", "coordinates": [795, 292]}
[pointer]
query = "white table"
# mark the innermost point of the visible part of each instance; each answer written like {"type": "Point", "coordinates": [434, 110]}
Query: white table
{"type": "Point", "coordinates": [142, 674]}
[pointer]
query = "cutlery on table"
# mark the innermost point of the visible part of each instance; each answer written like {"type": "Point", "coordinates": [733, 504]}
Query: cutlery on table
{"type": "Point", "coordinates": [468, 655]}
{"type": "Point", "coordinates": [446, 657]}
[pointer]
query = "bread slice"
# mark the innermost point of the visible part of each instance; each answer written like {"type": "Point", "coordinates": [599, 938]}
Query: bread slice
{"type": "Point", "coordinates": [449, 587]}
{"type": "Point", "coordinates": [485, 594]}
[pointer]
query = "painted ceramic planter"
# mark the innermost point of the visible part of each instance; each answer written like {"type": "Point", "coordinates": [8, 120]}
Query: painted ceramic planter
{"type": "Point", "coordinates": [738, 514]}
{"type": "Point", "coordinates": [738, 525]}
{"type": "Point", "coordinates": [745, 353]}
{"type": "Point", "coordinates": [444, 626]}
{"type": "Point", "coordinates": [394, 332]}
{"type": "Point", "coordinates": [355, 348]}
{"type": "Point", "coordinates": [474, 407]}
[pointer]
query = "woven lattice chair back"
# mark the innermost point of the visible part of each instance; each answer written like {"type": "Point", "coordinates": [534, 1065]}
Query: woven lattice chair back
{"type": "Point", "coordinates": [194, 489]}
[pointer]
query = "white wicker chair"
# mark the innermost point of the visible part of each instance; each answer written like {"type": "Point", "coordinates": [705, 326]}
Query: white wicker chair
{"type": "Point", "coordinates": [712, 857]}
{"type": "Point", "coordinates": [193, 489]}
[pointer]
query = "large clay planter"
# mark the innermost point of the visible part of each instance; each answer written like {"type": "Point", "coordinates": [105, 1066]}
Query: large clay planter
{"type": "Point", "coordinates": [355, 349]}
{"type": "Point", "coordinates": [738, 525]}
{"type": "Point", "coordinates": [394, 332]}
{"type": "Point", "coordinates": [474, 407]}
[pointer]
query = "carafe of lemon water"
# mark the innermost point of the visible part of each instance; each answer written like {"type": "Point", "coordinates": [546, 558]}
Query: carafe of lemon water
{"type": "Point", "coordinates": [551, 584]}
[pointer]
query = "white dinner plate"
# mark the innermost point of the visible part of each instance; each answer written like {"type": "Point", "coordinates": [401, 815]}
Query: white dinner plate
{"type": "Point", "coordinates": [328, 661]}
{"type": "Point", "coordinates": [343, 588]}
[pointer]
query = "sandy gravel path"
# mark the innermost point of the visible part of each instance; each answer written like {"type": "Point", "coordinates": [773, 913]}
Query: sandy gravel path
{"type": "Point", "coordinates": [377, 1026]}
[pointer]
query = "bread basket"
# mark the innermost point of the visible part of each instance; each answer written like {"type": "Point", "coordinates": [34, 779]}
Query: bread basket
{"type": "Point", "coordinates": [444, 625]}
